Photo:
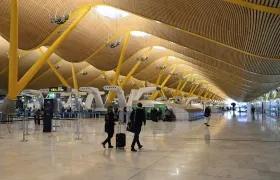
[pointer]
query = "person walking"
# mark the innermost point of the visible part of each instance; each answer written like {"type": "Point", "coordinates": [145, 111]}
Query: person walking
{"type": "Point", "coordinates": [138, 116]}
{"type": "Point", "coordinates": [37, 114]}
{"type": "Point", "coordinates": [124, 114]}
{"type": "Point", "coordinates": [109, 126]}
{"type": "Point", "coordinates": [207, 114]}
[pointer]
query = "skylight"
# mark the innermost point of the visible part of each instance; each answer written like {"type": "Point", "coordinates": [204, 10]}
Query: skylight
{"type": "Point", "coordinates": [110, 12]}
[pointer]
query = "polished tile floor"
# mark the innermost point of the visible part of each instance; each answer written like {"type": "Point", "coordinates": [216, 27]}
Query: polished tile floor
{"type": "Point", "coordinates": [233, 147]}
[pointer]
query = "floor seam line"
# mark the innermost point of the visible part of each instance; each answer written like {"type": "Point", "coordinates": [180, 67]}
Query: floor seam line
{"type": "Point", "coordinates": [155, 162]}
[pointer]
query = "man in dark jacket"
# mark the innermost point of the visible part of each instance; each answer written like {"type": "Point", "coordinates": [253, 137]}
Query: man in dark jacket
{"type": "Point", "coordinates": [109, 126]}
{"type": "Point", "coordinates": [207, 114]}
{"type": "Point", "coordinates": [139, 118]}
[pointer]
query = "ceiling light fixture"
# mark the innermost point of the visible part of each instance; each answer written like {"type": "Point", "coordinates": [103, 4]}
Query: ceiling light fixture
{"type": "Point", "coordinates": [113, 44]}
{"type": "Point", "coordinates": [110, 12]}
{"type": "Point", "coordinates": [139, 34]}
{"type": "Point", "coordinates": [84, 73]}
{"type": "Point", "coordinates": [142, 58]}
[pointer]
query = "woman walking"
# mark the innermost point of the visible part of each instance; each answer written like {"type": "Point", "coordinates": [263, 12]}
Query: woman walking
{"type": "Point", "coordinates": [109, 126]}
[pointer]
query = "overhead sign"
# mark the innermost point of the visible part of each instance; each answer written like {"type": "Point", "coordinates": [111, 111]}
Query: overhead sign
{"type": "Point", "coordinates": [60, 89]}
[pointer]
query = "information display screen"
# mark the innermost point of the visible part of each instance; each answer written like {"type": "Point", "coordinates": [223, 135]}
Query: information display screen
{"type": "Point", "coordinates": [58, 89]}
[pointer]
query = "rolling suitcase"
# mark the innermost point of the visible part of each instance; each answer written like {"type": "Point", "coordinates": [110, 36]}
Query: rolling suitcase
{"type": "Point", "coordinates": [120, 138]}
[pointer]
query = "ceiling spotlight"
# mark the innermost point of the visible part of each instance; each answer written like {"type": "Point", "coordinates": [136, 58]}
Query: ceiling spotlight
{"type": "Point", "coordinates": [174, 73]}
{"type": "Point", "coordinates": [59, 19]}
{"type": "Point", "coordinates": [142, 58]}
{"type": "Point", "coordinates": [113, 44]}
{"type": "Point", "coordinates": [139, 34]}
{"type": "Point", "coordinates": [110, 12]}
{"type": "Point", "coordinates": [57, 67]}
{"type": "Point", "coordinates": [84, 73]}
{"type": "Point", "coordinates": [160, 67]}
{"type": "Point", "coordinates": [103, 77]}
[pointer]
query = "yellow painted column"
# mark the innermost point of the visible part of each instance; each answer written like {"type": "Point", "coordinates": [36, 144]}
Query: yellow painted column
{"type": "Point", "coordinates": [107, 78]}
{"type": "Point", "coordinates": [206, 94]}
{"type": "Point", "coordinates": [196, 86]}
{"type": "Point", "coordinates": [135, 67]}
{"type": "Point", "coordinates": [13, 61]}
{"type": "Point", "coordinates": [39, 63]}
{"type": "Point", "coordinates": [162, 92]}
{"type": "Point", "coordinates": [178, 87]}
{"type": "Point", "coordinates": [75, 82]}
{"type": "Point", "coordinates": [154, 96]}
{"type": "Point", "coordinates": [60, 77]}
{"type": "Point", "coordinates": [111, 95]}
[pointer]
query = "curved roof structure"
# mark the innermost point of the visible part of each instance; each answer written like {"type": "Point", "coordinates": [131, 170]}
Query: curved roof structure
{"type": "Point", "coordinates": [232, 46]}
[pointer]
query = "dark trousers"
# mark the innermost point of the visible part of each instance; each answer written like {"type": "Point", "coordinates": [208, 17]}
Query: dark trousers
{"type": "Point", "coordinates": [136, 140]}
{"type": "Point", "coordinates": [37, 120]}
{"type": "Point", "coordinates": [108, 140]}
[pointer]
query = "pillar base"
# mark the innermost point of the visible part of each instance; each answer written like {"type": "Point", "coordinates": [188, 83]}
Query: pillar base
{"type": "Point", "coordinates": [7, 107]}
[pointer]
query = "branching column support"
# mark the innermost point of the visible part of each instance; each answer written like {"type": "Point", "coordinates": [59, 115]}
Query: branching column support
{"type": "Point", "coordinates": [60, 77]}
{"type": "Point", "coordinates": [16, 87]}
{"type": "Point", "coordinates": [212, 95]}
{"type": "Point", "coordinates": [162, 92]}
{"type": "Point", "coordinates": [135, 67]}
{"type": "Point", "coordinates": [75, 82]}
{"type": "Point", "coordinates": [177, 89]}
{"type": "Point", "coordinates": [201, 91]}
{"type": "Point", "coordinates": [184, 85]}
{"type": "Point", "coordinates": [136, 83]}
{"type": "Point", "coordinates": [106, 77]}
{"type": "Point", "coordinates": [159, 77]}
{"type": "Point", "coordinates": [119, 67]}
{"type": "Point", "coordinates": [177, 92]}
{"type": "Point", "coordinates": [192, 92]}
{"type": "Point", "coordinates": [154, 96]}
{"type": "Point", "coordinates": [207, 93]}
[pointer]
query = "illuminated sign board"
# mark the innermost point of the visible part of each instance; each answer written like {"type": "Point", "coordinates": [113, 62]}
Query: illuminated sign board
{"type": "Point", "coordinates": [58, 89]}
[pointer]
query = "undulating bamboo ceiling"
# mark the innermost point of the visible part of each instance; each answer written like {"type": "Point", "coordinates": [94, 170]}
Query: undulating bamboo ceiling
{"type": "Point", "coordinates": [230, 46]}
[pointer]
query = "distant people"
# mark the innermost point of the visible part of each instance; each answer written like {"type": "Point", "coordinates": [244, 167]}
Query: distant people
{"type": "Point", "coordinates": [253, 110]}
{"type": "Point", "coordinates": [37, 114]}
{"type": "Point", "coordinates": [207, 115]}
{"type": "Point", "coordinates": [167, 115]}
{"type": "Point", "coordinates": [138, 117]}
{"type": "Point", "coordinates": [116, 113]}
{"type": "Point", "coordinates": [154, 114]}
{"type": "Point", "coordinates": [124, 114]}
{"type": "Point", "coordinates": [159, 114]}
{"type": "Point", "coordinates": [172, 115]}
{"type": "Point", "coordinates": [109, 126]}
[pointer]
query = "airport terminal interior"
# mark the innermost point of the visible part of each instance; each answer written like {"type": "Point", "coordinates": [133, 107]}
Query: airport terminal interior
{"type": "Point", "coordinates": [139, 89]}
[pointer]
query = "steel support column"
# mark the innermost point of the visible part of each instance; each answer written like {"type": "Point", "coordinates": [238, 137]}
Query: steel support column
{"type": "Point", "coordinates": [13, 61]}
{"type": "Point", "coordinates": [154, 96]}
{"type": "Point", "coordinates": [39, 63]}
{"type": "Point", "coordinates": [135, 67]}
{"type": "Point", "coordinates": [106, 77]}
{"type": "Point", "coordinates": [75, 82]}
{"type": "Point", "coordinates": [60, 77]}
{"type": "Point", "coordinates": [111, 95]}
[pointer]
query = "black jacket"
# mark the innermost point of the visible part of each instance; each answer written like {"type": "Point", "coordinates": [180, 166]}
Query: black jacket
{"type": "Point", "coordinates": [140, 119]}
{"type": "Point", "coordinates": [109, 122]}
